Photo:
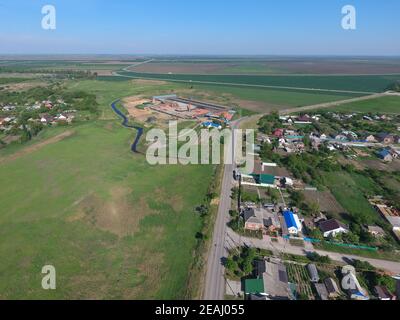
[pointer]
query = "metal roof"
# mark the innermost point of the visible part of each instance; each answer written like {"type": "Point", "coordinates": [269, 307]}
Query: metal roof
{"type": "Point", "coordinates": [289, 219]}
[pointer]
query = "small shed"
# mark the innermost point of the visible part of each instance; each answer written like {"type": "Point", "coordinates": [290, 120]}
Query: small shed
{"type": "Point", "coordinates": [332, 287]}
{"type": "Point", "coordinates": [322, 291]}
{"type": "Point", "coordinates": [313, 272]}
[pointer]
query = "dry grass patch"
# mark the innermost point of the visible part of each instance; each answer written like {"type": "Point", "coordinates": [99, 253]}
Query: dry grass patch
{"type": "Point", "coordinates": [118, 215]}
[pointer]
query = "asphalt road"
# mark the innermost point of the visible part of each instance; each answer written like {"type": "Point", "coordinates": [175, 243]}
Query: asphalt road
{"type": "Point", "coordinates": [215, 281]}
{"type": "Point", "coordinates": [285, 247]}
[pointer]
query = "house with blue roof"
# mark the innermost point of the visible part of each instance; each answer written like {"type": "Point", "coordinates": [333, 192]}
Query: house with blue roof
{"type": "Point", "coordinates": [210, 125]}
{"type": "Point", "coordinates": [292, 222]}
{"type": "Point", "coordinates": [385, 155]}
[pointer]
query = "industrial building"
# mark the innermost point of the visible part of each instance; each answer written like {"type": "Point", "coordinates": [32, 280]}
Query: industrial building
{"type": "Point", "coordinates": [183, 108]}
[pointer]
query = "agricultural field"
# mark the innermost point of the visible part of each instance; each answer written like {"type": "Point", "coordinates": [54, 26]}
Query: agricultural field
{"type": "Point", "coordinates": [349, 190]}
{"type": "Point", "coordinates": [298, 274]}
{"type": "Point", "coordinates": [271, 66]}
{"type": "Point", "coordinates": [349, 83]}
{"type": "Point", "coordinates": [325, 200]}
{"type": "Point", "coordinates": [387, 104]}
{"type": "Point", "coordinates": [258, 100]}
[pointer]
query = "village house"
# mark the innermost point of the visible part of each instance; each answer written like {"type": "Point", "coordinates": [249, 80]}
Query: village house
{"type": "Point", "coordinates": [304, 119]}
{"type": "Point", "coordinates": [278, 133]}
{"type": "Point", "coordinates": [46, 119]}
{"type": "Point", "coordinates": [385, 155]}
{"type": "Point", "coordinates": [351, 284]}
{"type": "Point", "coordinates": [257, 219]}
{"type": "Point", "coordinates": [385, 138]}
{"type": "Point", "coordinates": [273, 283]}
{"type": "Point", "coordinates": [371, 138]}
{"type": "Point", "coordinates": [292, 221]}
{"type": "Point", "coordinates": [331, 228]}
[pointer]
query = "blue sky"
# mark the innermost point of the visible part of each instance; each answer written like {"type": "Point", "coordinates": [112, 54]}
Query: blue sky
{"type": "Point", "coordinates": [238, 27]}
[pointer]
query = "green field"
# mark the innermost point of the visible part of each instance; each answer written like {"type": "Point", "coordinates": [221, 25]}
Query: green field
{"type": "Point", "coordinates": [349, 190]}
{"type": "Point", "coordinates": [265, 100]}
{"type": "Point", "coordinates": [113, 226]}
{"type": "Point", "coordinates": [388, 104]}
{"type": "Point", "coordinates": [361, 83]}
{"type": "Point", "coordinates": [260, 100]}
{"type": "Point", "coordinates": [4, 81]}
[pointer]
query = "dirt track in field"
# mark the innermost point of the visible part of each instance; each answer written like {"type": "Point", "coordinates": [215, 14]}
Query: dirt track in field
{"type": "Point", "coordinates": [36, 147]}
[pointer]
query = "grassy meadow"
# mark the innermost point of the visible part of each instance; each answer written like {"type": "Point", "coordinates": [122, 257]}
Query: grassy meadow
{"type": "Point", "coordinates": [349, 190]}
{"type": "Point", "coordinates": [113, 226]}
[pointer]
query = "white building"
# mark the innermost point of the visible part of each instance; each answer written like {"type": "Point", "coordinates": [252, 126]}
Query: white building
{"type": "Point", "coordinates": [332, 228]}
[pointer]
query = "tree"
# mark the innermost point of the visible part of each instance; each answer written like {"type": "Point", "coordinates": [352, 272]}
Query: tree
{"type": "Point", "coordinates": [363, 265]}
{"type": "Point", "coordinates": [231, 265]}
{"type": "Point", "coordinates": [314, 256]}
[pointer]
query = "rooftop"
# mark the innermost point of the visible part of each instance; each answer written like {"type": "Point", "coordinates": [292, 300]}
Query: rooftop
{"type": "Point", "coordinates": [254, 286]}
{"type": "Point", "coordinates": [276, 282]}
{"type": "Point", "coordinates": [330, 225]}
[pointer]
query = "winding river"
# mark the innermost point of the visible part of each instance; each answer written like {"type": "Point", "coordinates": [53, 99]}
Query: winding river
{"type": "Point", "coordinates": [125, 122]}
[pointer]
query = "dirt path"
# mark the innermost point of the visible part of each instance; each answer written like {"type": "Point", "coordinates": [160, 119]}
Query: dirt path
{"type": "Point", "coordinates": [36, 147]}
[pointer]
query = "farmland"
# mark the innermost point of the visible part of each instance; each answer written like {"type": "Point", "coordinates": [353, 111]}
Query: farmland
{"type": "Point", "coordinates": [362, 83]}
{"type": "Point", "coordinates": [265, 66]}
{"type": "Point", "coordinates": [387, 104]}
{"type": "Point", "coordinates": [260, 100]}
{"type": "Point", "coordinates": [349, 190]}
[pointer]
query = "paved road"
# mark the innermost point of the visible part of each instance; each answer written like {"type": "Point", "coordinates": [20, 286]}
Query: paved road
{"type": "Point", "coordinates": [215, 280]}
{"type": "Point", "coordinates": [285, 247]}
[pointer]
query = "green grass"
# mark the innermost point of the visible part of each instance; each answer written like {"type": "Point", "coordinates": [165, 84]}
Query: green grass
{"type": "Point", "coordinates": [277, 99]}
{"type": "Point", "coordinates": [113, 226]}
{"type": "Point", "coordinates": [4, 81]}
{"type": "Point", "coordinates": [349, 191]}
{"type": "Point", "coordinates": [376, 83]}
{"type": "Point", "coordinates": [253, 99]}
{"type": "Point", "coordinates": [41, 195]}
{"type": "Point", "coordinates": [358, 252]}
{"type": "Point", "coordinates": [387, 104]}
{"type": "Point", "coordinates": [109, 91]}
